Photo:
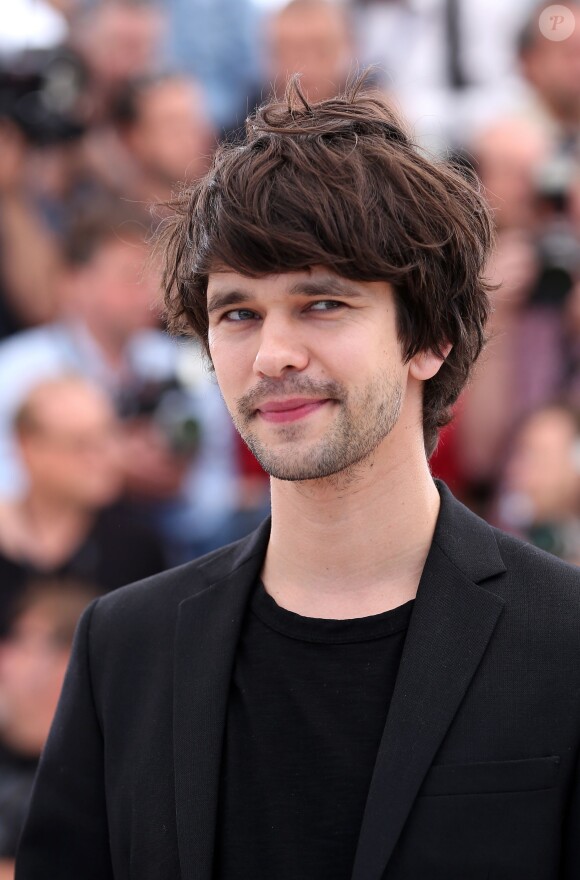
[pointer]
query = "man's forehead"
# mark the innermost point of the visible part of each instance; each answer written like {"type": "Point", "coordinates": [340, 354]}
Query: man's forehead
{"type": "Point", "coordinates": [225, 277]}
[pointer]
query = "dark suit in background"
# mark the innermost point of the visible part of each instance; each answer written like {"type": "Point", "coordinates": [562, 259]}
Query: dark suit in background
{"type": "Point", "coordinates": [477, 773]}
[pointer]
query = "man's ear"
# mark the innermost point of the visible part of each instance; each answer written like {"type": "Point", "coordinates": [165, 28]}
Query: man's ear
{"type": "Point", "coordinates": [426, 364]}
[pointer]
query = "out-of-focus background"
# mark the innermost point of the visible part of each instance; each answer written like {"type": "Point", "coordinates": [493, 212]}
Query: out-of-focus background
{"type": "Point", "coordinates": [117, 457]}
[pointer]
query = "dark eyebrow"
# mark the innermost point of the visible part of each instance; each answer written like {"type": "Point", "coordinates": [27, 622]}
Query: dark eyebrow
{"type": "Point", "coordinates": [327, 286]}
{"type": "Point", "coordinates": [227, 298]}
{"type": "Point", "coordinates": [317, 287]}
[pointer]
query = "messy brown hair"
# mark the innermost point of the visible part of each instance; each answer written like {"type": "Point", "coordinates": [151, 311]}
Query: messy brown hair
{"type": "Point", "coordinates": [340, 184]}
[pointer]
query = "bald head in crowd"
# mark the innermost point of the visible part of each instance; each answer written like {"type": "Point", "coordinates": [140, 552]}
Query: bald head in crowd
{"type": "Point", "coordinates": [509, 155]}
{"type": "Point", "coordinates": [68, 440]}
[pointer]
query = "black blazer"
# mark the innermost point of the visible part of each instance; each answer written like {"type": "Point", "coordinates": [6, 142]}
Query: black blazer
{"type": "Point", "coordinates": [477, 772]}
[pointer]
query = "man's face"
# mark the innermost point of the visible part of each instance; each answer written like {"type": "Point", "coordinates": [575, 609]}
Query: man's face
{"type": "Point", "coordinates": [172, 137]}
{"type": "Point", "coordinates": [121, 42]}
{"type": "Point", "coordinates": [73, 453]}
{"type": "Point", "coordinates": [544, 467]}
{"type": "Point", "coordinates": [509, 158]}
{"type": "Point", "coordinates": [32, 669]}
{"type": "Point", "coordinates": [553, 69]}
{"type": "Point", "coordinates": [309, 365]}
{"type": "Point", "coordinates": [118, 290]}
{"type": "Point", "coordinates": [314, 42]}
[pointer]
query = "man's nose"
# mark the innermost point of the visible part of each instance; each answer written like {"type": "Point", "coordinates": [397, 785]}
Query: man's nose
{"type": "Point", "coordinates": [281, 349]}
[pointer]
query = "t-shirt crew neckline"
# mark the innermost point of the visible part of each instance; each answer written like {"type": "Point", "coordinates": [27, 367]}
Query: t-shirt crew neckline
{"type": "Point", "coordinates": [321, 630]}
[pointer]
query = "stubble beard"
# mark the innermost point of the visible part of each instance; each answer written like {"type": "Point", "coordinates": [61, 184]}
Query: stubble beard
{"type": "Point", "coordinates": [361, 423]}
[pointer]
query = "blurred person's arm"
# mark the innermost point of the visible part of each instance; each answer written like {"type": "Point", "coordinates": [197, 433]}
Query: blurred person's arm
{"type": "Point", "coordinates": [6, 869]}
{"type": "Point", "coordinates": [28, 255]}
{"type": "Point", "coordinates": [66, 834]}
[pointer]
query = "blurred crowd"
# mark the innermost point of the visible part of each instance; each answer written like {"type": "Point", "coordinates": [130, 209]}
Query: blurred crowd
{"type": "Point", "coordinates": [117, 456]}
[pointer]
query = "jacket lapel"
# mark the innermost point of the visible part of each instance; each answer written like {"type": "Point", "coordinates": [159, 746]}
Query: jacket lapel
{"type": "Point", "coordinates": [207, 634]}
{"type": "Point", "coordinates": [451, 625]}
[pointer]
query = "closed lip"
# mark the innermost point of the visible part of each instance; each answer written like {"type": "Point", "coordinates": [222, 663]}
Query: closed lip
{"type": "Point", "coordinates": [290, 404]}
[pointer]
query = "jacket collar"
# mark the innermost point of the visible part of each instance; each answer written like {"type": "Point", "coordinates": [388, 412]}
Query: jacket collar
{"type": "Point", "coordinates": [451, 625]}
{"type": "Point", "coordinates": [450, 628]}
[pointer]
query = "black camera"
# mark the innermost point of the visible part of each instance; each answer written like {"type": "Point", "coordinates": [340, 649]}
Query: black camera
{"type": "Point", "coordinates": [558, 247]}
{"type": "Point", "coordinates": [40, 92]}
{"type": "Point", "coordinates": [169, 406]}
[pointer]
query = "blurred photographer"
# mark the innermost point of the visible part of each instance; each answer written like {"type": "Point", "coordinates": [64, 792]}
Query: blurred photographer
{"type": "Point", "coordinates": [178, 436]}
{"type": "Point", "coordinates": [535, 261]}
{"type": "Point", "coordinates": [69, 520]}
{"type": "Point", "coordinates": [39, 128]}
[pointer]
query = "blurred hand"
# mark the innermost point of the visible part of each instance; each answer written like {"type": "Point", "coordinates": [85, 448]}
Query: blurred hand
{"type": "Point", "coordinates": [6, 869]}
{"type": "Point", "coordinates": [513, 267]}
{"type": "Point", "coordinates": [152, 469]}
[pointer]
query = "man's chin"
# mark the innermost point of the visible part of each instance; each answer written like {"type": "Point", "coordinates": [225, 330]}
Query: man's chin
{"type": "Point", "coordinates": [308, 468]}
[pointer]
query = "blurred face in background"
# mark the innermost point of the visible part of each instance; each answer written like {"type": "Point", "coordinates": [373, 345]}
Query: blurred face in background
{"type": "Point", "coordinates": [70, 445]}
{"type": "Point", "coordinates": [545, 466]}
{"type": "Point", "coordinates": [311, 38]}
{"type": "Point", "coordinates": [116, 293]}
{"type": "Point", "coordinates": [172, 137]}
{"type": "Point", "coordinates": [119, 41]}
{"type": "Point", "coordinates": [553, 69]}
{"type": "Point", "coordinates": [509, 157]}
{"type": "Point", "coordinates": [32, 668]}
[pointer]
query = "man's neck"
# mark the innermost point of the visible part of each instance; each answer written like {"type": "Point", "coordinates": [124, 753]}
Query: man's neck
{"type": "Point", "coordinates": [352, 548]}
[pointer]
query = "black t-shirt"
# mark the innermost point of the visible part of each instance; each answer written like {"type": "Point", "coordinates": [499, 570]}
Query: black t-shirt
{"type": "Point", "coordinates": [306, 711]}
